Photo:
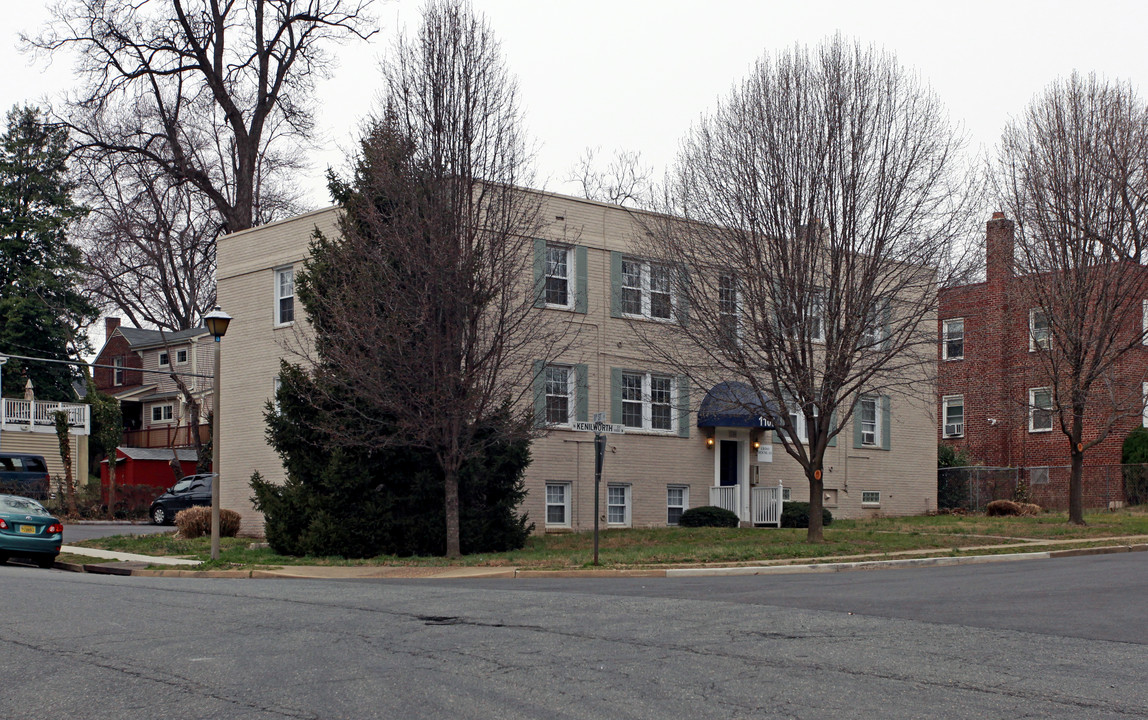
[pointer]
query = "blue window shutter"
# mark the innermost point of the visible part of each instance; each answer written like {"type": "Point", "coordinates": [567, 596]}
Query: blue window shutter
{"type": "Point", "coordinates": [582, 393]}
{"type": "Point", "coordinates": [683, 298]}
{"type": "Point", "coordinates": [833, 426]}
{"type": "Point", "coordinates": [683, 401]}
{"type": "Point", "coordinates": [857, 424]}
{"type": "Point", "coordinates": [539, 393]}
{"type": "Point", "coordinates": [581, 299]}
{"type": "Point", "coordinates": [615, 395]}
{"type": "Point", "coordinates": [539, 273]}
{"type": "Point", "coordinates": [885, 422]}
{"type": "Point", "coordinates": [616, 287]}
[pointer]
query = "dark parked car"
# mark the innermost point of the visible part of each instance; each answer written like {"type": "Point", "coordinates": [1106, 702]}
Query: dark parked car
{"type": "Point", "coordinates": [192, 490]}
{"type": "Point", "coordinates": [28, 530]}
{"type": "Point", "coordinates": [24, 475]}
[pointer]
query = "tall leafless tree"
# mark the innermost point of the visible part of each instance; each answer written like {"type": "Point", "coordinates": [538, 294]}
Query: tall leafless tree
{"type": "Point", "coordinates": [203, 90]}
{"type": "Point", "coordinates": [819, 202]}
{"type": "Point", "coordinates": [625, 181]}
{"type": "Point", "coordinates": [423, 309]}
{"type": "Point", "coordinates": [1073, 172]}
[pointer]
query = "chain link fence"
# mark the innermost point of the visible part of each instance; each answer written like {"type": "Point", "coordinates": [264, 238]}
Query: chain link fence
{"type": "Point", "coordinates": [1105, 487]}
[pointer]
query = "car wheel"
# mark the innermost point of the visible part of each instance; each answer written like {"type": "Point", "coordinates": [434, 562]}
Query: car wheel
{"type": "Point", "coordinates": [159, 515]}
{"type": "Point", "coordinates": [46, 561]}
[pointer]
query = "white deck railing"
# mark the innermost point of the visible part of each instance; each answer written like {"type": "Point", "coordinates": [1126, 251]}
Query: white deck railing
{"type": "Point", "coordinates": [727, 497]}
{"type": "Point", "coordinates": [766, 503]}
{"type": "Point", "coordinates": [39, 416]}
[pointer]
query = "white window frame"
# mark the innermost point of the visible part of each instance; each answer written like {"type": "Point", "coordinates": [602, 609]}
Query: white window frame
{"type": "Point", "coordinates": [875, 440]}
{"type": "Point", "coordinates": [118, 370]}
{"type": "Point", "coordinates": [682, 506]}
{"type": "Point", "coordinates": [874, 498]}
{"type": "Point", "coordinates": [164, 360]}
{"type": "Point", "coordinates": [786, 492]}
{"type": "Point", "coordinates": [647, 402]}
{"type": "Point", "coordinates": [1045, 342]}
{"type": "Point", "coordinates": [564, 504]}
{"type": "Point", "coordinates": [182, 352]}
{"type": "Point", "coordinates": [947, 402]}
{"type": "Point", "coordinates": [167, 413]}
{"type": "Point", "coordinates": [568, 277]}
{"type": "Point", "coordinates": [875, 331]}
{"type": "Point", "coordinates": [570, 393]}
{"type": "Point", "coordinates": [799, 424]}
{"type": "Point", "coordinates": [729, 304]}
{"type": "Point", "coordinates": [645, 270]}
{"type": "Point", "coordinates": [278, 274]}
{"type": "Point", "coordinates": [947, 335]}
{"type": "Point", "coordinates": [816, 315]}
{"type": "Point", "coordinates": [612, 506]}
{"type": "Point", "coordinates": [1032, 408]}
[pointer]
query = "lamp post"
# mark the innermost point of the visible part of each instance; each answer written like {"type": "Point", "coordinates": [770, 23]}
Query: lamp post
{"type": "Point", "coordinates": [3, 359]}
{"type": "Point", "coordinates": [216, 322]}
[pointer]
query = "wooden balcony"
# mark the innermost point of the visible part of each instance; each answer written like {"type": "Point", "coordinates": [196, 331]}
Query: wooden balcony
{"type": "Point", "coordinates": [39, 416]}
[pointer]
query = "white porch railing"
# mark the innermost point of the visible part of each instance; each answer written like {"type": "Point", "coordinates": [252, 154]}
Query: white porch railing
{"type": "Point", "coordinates": [727, 497]}
{"type": "Point", "coordinates": [39, 416]}
{"type": "Point", "coordinates": [766, 503]}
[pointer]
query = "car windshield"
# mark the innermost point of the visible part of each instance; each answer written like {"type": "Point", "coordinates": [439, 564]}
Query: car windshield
{"type": "Point", "coordinates": [21, 505]}
{"type": "Point", "coordinates": [182, 486]}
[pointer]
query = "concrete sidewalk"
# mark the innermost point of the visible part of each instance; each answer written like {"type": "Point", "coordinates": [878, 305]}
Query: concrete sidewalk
{"type": "Point", "coordinates": [137, 565]}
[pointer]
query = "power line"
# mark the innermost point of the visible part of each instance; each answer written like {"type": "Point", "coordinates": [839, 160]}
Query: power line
{"type": "Point", "coordinates": [110, 367]}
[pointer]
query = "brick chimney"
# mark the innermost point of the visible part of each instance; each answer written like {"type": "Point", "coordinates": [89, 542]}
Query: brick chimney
{"type": "Point", "coordinates": [110, 325]}
{"type": "Point", "coordinates": [998, 248]}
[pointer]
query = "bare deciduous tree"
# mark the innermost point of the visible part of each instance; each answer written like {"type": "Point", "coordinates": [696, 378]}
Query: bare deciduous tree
{"type": "Point", "coordinates": [423, 310]}
{"type": "Point", "coordinates": [203, 90]}
{"type": "Point", "coordinates": [820, 200]}
{"type": "Point", "coordinates": [625, 181]}
{"type": "Point", "coordinates": [1073, 172]}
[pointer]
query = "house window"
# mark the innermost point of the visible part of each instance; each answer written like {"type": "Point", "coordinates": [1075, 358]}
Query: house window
{"type": "Point", "coordinates": [953, 409]}
{"type": "Point", "coordinates": [559, 394]}
{"type": "Point", "coordinates": [558, 504]}
{"type": "Point", "coordinates": [1040, 410]}
{"type": "Point", "coordinates": [727, 308]}
{"type": "Point", "coordinates": [618, 504]}
{"type": "Point", "coordinates": [117, 370]}
{"type": "Point", "coordinates": [646, 290]}
{"type": "Point", "coordinates": [797, 417]}
{"type": "Point", "coordinates": [875, 330]}
{"type": "Point", "coordinates": [163, 359]}
{"type": "Point", "coordinates": [558, 266]}
{"type": "Point", "coordinates": [1038, 476]}
{"type": "Point", "coordinates": [870, 497]}
{"type": "Point", "coordinates": [953, 342]}
{"type": "Point", "coordinates": [181, 357]}
{"type": "Point", "coordinates": [868, 409]}
{"type": "Point", "coordinates": [1038, 330]}
{"type": "Point", "coordinates": [785, 494]}
{"type": "Point", "coordinates": [161, 413]}
{"type": "Point", "coordinates": [817, 317]}
{"type": "Point", "coordinates": [677, 501]}
{"type": "Point", "coordinates": [284, 296]}
{"type": "Point", "coordinates": [647, 401]}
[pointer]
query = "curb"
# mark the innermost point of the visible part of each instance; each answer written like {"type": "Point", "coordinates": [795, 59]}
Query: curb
{"type": "Point", "coordinates": [461, 573]}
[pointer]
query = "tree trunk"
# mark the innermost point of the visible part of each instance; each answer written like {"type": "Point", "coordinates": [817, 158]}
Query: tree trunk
{"type": "Point", "coordinates": [1076, 487]}
{"type": "Point", "coordinates": [450, 476]}
{"type": "Point", "coordinates": [816, 497]}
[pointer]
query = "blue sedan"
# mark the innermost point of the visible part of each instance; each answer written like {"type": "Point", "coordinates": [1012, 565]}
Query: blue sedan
{"type": "Point", "coordinates": [28, 530]}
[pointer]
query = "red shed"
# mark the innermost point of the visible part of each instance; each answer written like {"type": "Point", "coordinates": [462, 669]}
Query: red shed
{"type": "Point", "coordinates": [147, 467]}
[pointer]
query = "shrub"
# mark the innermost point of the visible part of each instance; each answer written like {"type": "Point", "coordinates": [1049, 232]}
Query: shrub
{"type": "Point", "coordinates": [796, 515]}
{"type": "Point", "coordinates": [1134, 455]}
{"type": "Point", "coordinates": [196, 522]}
{"type": "Point", "coordinates": [708, 516]}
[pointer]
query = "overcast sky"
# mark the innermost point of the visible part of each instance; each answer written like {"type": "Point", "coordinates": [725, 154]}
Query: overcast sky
{"type": "Point", "coordinates": [634, 74]}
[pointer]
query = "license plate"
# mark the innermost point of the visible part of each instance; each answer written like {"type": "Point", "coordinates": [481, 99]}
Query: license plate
{"type": "Point", "coordinates": [28, 529]}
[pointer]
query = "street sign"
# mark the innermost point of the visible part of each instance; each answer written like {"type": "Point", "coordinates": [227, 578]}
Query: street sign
{"type": "Point", "coordinates": [600, 427]}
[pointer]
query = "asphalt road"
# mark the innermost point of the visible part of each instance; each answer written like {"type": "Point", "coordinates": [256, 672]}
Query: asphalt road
{"type": "Point", "coordinates": [1041, 639]}
{"type": "Point", "coordinates": [75, 532]}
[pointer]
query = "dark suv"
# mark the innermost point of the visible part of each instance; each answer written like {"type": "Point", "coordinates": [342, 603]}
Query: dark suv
{"type": "Point", "coordinates": [192, 490]}
{"type": "Point", "coordinates": [24, 474]}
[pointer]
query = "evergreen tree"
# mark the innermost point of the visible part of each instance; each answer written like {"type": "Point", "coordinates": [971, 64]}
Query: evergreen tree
{"type": "Point", "coordinates": [41, 307]}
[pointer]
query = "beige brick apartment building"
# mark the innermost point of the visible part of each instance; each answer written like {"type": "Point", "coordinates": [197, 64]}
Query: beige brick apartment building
{"type": "Point", "coordinates": [662, 465]}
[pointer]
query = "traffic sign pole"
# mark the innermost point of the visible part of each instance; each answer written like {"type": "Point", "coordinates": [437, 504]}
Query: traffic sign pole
{"type": "Point", "coordinates": [599, 457]}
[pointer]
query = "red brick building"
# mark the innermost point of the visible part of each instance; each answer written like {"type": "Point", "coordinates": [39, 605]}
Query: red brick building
{"type": "Point", "coordinates": [994, 397]}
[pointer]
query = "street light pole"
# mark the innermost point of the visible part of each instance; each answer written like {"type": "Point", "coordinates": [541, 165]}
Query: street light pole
{"type": "Point", "coordinates": [216, 322]}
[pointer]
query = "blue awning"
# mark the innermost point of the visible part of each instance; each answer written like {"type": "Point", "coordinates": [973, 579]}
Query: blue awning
{"type": "Point", "coordinates": [734, 404]}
